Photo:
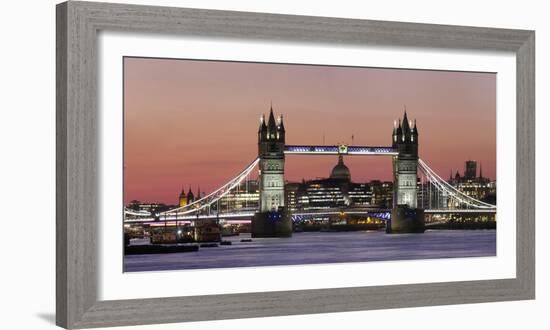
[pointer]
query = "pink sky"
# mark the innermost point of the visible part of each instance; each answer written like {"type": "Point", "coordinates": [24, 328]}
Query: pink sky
{"type": "Point", "coordinates": [194, 123]}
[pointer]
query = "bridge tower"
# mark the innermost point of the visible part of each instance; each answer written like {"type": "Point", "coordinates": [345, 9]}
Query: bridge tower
{"type": "Point", "coordinates": [406, 216]}
{"type": "Point", "coordinates": [272, 219]}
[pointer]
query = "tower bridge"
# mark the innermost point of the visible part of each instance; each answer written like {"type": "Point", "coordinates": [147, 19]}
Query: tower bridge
{"type": "Point", "coordinates": [272, 218]}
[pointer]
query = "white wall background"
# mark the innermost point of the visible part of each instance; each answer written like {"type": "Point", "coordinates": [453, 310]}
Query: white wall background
{"type": "Point", "coordinates": [27, 162]}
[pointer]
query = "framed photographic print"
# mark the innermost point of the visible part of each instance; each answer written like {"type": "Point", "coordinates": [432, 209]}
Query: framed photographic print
{"type": "Point", "coordinates": [316, 164]}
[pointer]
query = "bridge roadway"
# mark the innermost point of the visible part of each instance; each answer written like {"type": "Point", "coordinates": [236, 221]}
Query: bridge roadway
{"type": "Point", "coordinates": [383, 214]}
{"type": "Point", "coordinates": [249, 214]}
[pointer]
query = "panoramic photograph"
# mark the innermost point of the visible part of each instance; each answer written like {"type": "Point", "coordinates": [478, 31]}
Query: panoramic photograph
{"type": "Point", "coordinates": [244, 164]}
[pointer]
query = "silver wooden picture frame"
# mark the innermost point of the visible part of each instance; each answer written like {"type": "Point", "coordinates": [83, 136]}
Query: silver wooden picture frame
{"type": "Point", "coordinates": [78, 25]}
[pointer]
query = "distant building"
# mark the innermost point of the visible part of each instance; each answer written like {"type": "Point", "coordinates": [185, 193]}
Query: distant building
{"type": "Point", "coordinates": [183, 198]}
{"type": "Point", "coordinates": [473, 185]}
{"type": "Point", "coordinates": [340, 171]}
{"type": "Point", "coordinates": [470, 169]}
{"type": "Point", "coordinates": [189, 197]}
{"type": "Point", "coordinates": [336, 191]}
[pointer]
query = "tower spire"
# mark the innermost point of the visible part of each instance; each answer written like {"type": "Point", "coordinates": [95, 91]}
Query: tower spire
{"type": "Point", "coordinates": [190, 196]}
{"type": "Point", "coordinates": [406, 128]}
{"type": "Point", "coordinates": [263, 126]}
{"type": "Point", "coordinates": [281, 123]}
{"type": "Point", "coordinates": [183, 197]}
{"type": "Point", "coordinates": [399, 130]}
{"type": "Point", "coordinates": [271, 125]}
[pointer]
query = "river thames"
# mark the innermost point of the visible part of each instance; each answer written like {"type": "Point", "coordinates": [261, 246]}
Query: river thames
{"type": "Point", "coordinates": [323, 247]}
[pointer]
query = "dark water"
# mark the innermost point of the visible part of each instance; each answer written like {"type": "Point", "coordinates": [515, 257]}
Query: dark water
{"type": "Point", "coordinates": [314, 248]}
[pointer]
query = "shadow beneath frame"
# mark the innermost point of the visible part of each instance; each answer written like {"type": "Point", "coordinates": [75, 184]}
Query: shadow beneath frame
{"type": "Point", "coordinates": [48, 317]}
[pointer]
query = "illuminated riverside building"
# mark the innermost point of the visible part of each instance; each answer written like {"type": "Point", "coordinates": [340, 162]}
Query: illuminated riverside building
{"type": "Point", "coordinates": [291, 195]}
{"type": "Point", "coordinates": [475, 186]}
{"type": "Point", "coordinates": [382, 193]}
{"type": "Point", "coordinates": [337, 191]}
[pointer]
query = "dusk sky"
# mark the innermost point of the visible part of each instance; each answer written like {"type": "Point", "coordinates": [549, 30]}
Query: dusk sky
{"type": "Point", "coordinates": [194, 123]}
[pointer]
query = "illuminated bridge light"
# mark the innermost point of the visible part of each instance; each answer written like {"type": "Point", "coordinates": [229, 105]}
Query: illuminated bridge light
{"type": "Point", "coordinates": [372, 150]}
{"type": "Point", "coordinates": [351, 150]}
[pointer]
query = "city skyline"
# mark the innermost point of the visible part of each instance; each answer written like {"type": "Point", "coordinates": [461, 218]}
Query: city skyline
{"type": "Point", "coordinates": [194, 123]}
{"type": "Point", "coordinates": [197, 193]}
